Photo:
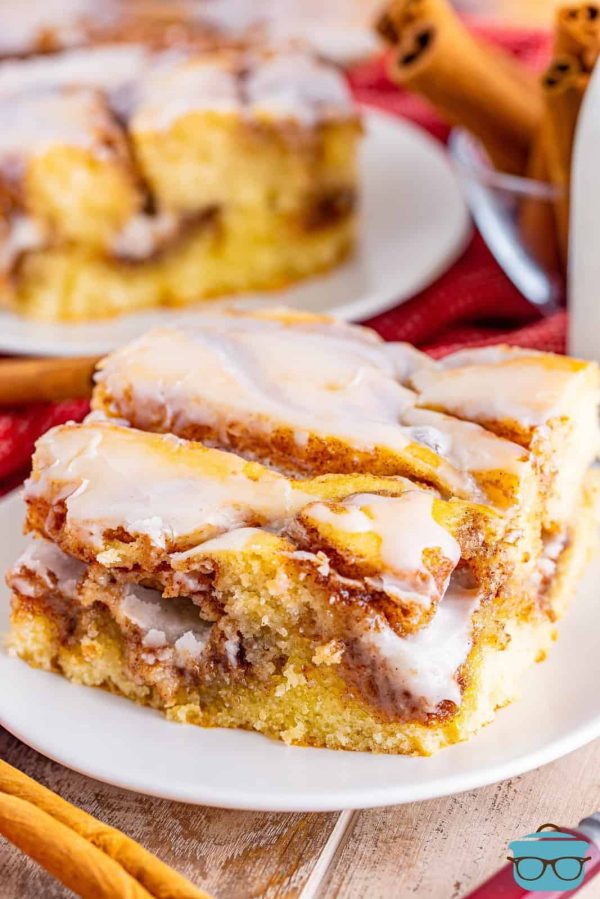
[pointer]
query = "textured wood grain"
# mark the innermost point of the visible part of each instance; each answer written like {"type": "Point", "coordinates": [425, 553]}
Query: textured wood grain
{"type": "Point", "coordinates": [229, 854]}
{"type": "Point", "coordinates": [443, 848]}
{"type": "Point", "coordinates": [434, 850]}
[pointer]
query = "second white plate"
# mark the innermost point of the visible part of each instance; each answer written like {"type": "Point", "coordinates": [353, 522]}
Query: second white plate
{"type": "Point", "coordinates": [414, 224]}
{"type": "Point", "coordinates": [114, 740]}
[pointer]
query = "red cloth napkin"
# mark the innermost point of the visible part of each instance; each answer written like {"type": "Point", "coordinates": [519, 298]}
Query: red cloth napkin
{"type": "Point", "coordinates": [472, 304]}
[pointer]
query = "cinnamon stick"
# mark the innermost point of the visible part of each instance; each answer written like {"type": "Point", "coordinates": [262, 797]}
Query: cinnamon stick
{"type": "Point", "coordinates": [153, 877]}
{"type": "Point", "coordinates": [564, 85]}
{"type": "Point", "coordinates": [537, 218]}
{"type": "Point", "coordinates": [470, 84]}
{"type": "Point", "coordinates": [88, 871]}
{"type": "Point", "coordinates": [450, 68]}
{"type": "Point", "coordinates": [45, 380]}
{"type": "Point", "coordinates": [577, 33]}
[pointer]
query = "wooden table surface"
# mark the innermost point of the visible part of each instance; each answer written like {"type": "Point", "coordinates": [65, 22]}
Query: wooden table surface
{"type": "Point", "coordinates": [438, 849]}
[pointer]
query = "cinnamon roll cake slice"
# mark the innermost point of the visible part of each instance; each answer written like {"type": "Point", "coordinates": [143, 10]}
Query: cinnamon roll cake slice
{"type": "Point", "coordinates": [132, 177]}
{"type": "Point", "coordinates": [348, 611]}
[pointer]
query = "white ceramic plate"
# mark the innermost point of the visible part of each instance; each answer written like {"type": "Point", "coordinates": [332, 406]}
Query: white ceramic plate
{"type": "Point", "coordinates": [414, 224]}
{"type": "Point", "coordinates": [114, 740]}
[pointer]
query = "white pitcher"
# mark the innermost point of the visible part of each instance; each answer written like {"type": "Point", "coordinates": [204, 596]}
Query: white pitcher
{"type": "Point", "coordinates": [584, 251]}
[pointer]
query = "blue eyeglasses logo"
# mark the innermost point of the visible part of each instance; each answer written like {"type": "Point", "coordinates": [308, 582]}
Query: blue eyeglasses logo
{"type": "Point", "coordinates": [549, 861]}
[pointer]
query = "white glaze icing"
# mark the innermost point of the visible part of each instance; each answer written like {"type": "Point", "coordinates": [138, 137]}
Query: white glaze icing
{"type": "Point", "coordinates": [312, 377]}
{"type": "Point", "coordinates": [153, 485]}
{"type": "Point", "coordinates": [186, 86]}
{"type": "Point", "coordinates": [143, 234]}
{"type": "Point", "coordinates": [406, 528]}
{"type": "Point", "coordinates": [231, 541]}
{"type": "Point", "coordinates": [35, 122]}
{"type": "Point", "coordinates": [499, 384]}
{"type": "Point", "coordinates": [115, 70]}
{"type": "Point", "coordinates": [248, 369]}
{"type": "Point", "coordinates": [51, 565]}
{"type": "Point", "coordinates": [466, 445]}
{"type": "Point", "coordinates": [155, 89]}
{"type": "Point", "coordinates": [426, 663]}
{"type": "Point", "coordinates": [22, 25]}
{"type": "Point", "coordinates": [19, 234]}
{"type": "Point", "coordinates": [171, 622]}
{"type": "Point", "coordinates": [294, 86]}
{"type": "Point", "coordinates": [407, 359]}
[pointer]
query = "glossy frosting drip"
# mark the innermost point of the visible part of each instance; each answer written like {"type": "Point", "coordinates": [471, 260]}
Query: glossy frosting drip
{"type": "Point", "coordinates": [156, 88]}
{"type": "Point", "coordinates": [174, 623]}
{"type": "Point", "coordinates": [406, 529]}
{"type": "Point", "coordinates": [116, 71]}
{"type": "Point", "coordinates": [40, 121]}
{"type": "Point", "coordinates": [287, 86]}
{"type": "Point", "coordinates": [425, 664]}
{"type": "Point", "coordinates": [310, 376]}
{"type": "Point", "coordinates": [24, 25]}
{"type": "Point", "coordinates": [500, 384]}
{"type": "Point", "coordinates": [248, 369]}
{"type": "Point", "coordinates": [157, 486]}
{"type": "Point", "coordinates": [296, 86]}
{"type": "Point", "coordinates": [54, 568]}
{"type": "Point", "coordinates": [164, 623]}
{"type": "Point", "coordinates": [466, 445]}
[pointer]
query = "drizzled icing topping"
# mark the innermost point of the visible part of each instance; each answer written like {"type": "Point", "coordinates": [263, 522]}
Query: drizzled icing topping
{"type": "Point", "coordinates": [116, 71]}
{"type": "Point", "coordinates": [38, 121]}
{"type": "Point", "coordinates": [290, 86]}
{"type": "Point", "coordinates": [249, 369]}
{"type": "Point", "coordinates": [95, 98]}
{"type": "Point", "coordinates": [22, 26]}
{"type": "Point", "coordinates": [51, 565]}
{"type": "Point", "coordinates": [157, 486]}
{"type": "Point", "coordinates": [296, 86]}
{"type": "Point", "coordinates": [406, 528]}
{"type": "Point", "coordinates": [174, 622]}
{"type": "Point", "coordinates": [156, 88]}
{"type": "Point", "coordinates": [499, 384]}
{"type": "Point", "coordinates": [425, 664]}
{"type": "Point", "coordinates": [312, 376]}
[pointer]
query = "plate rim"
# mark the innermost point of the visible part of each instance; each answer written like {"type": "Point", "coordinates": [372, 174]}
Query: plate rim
{"type": "Point", "coordinates": [379, 796]}
{"type": "Point", "coordinates": [367, 306]}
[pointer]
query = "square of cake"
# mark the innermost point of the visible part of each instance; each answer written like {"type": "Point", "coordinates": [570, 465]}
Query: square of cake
{"type": "Point", "coordinates": [132, 177]}
{"type": "Point", "coordinates": [276, 521]}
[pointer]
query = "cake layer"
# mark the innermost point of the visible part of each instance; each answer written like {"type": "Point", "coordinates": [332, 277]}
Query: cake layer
{"type": "Point", "coordinates": [345, 681]}
{"type": "Point", "coordinates": [489, 421]}
{"type": "Point", "coordinates": [152, 506]}
{"type": "Point", "coordinates": [307, 394]}
{"type": "Point", "coordinates": [203, 260]}
{"type": "Point", "coordinates": [114, 159]}
{"type": "Point", "coordinates": [321, 395]}
{"type": "Point", "coordinates": [544, 402]}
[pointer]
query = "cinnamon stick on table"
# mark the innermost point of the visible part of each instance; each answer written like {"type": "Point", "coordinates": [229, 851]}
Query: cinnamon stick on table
{"type": "Point", "coordinates": [92, 859]}
{"type": "Point", "coordinates": [468, 83]}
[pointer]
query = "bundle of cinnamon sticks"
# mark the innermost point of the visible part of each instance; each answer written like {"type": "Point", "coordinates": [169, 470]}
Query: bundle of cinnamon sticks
{"type": "Point", "coordinates": [93, 860]}
{"type": "Point", "coordinates": [526, 124]}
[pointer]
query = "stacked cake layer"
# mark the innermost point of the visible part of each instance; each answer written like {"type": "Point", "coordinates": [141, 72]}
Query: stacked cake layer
{"type": "Point", "coordinates": [278, 522]}
{"type": "Point", "coordinates": [132, 177]}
